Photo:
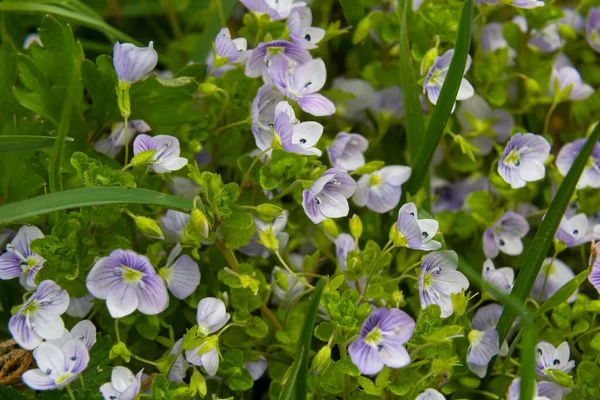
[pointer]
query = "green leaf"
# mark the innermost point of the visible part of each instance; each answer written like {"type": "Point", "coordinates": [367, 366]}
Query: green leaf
{"type": "Point", "coordinates": [86, 197]}
{"type": "Point", "coordinates": [445, 103]}
{"type": "Point", "coordinates": [257, 328]}
{"type": "Point", "coordinates": [237, 229]}
{"type": "Point", "coordinates": [148, 326]}
{"type": "Point", "coordinates": [296, 384]}
{"type": "Point", "coordinates": [8, 393]}
{"type": "Point", "coordinates": [368, 386]}
{"type": "Point", "coordinates": [216, 22]}
{"type": "Point", "coordinates": [281, 167]}
{"type": "Point", "coordinates": [221, 197]}
{"type": "Point", "coordinates": [11, 143]}
{"type": "Point", "coordinates": [353, 11]}
{"type": "Point", "coordinates": [562, 294]}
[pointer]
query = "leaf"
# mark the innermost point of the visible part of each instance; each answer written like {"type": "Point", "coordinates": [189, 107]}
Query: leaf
{"type": "Point", "coordinates": [216, 22]}
{"type": "Point", "coordinates": [281, 167]}
{"type": "Point", "coordinates": [562, 294]}
{"type": "Point", "coordinates": [445, 103]}
{"type": "Point", "coordinates": [86, 197]}
{"type": "Point", "coordinates": [11, 143]}
{"type": "Point", "coordinates": [353, 11]}
{"type": "Point", "coordinates": [8, 393]}
{"type": "Point", "coordinates": [295, 386]}
{"type": "Point", "coordinates": [237, 229]}
{"type": "Point", "coordinates": [220, 197]}
{"type": "Point", "coordinates": [100, 80]}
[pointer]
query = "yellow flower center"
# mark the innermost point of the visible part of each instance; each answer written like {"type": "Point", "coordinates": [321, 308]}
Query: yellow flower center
{"type": "Point", "coordinates": [513, 158]}
{"type": "Point", "coordinates": [131, 275]}
{"type": "Point", "coordinates": [375, 179]}
{"type": "Point", "coordinates": [374, 337]}
{"type": "Point", "coordinates": [63, 378]}
{"type": "Point", "coordinates": [475, 337]}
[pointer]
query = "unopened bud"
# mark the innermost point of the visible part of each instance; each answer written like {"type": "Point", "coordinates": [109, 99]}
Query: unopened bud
{"type": "Point", "coordinates": [362, 30]}
{"type": "Point", "coordinates": [330, 227]}
{"type": "Point", "coordinates": [356, 227]}
{"type": "Point", "coordinates": [321, 360]}
{"type": "Point", "coordinates": [200, 223]}
{"type": "Point", "coordinates": [269, 211]}
{"type": "Point", "coordinates": [398, 297]}
{"type": "Point", "coordinates": [281, 279]}
{"type": "Point", "coordinates": [198, 384]}
{"type": "Point", "coordinates": [206, 88]}
{"type": "Point", "coordinates": [532, 85]}
{"type": "Point", "coordinates": [149, 227]}
{"type": "Point", "coordinates": [143, 158]}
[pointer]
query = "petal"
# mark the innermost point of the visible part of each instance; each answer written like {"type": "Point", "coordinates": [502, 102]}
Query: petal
{"type": "Point", "coordinates": [310, 77]}
{"type": "Point", "coordinates": [307, 134]}
{"type": "Point", "coordinates": [76, 356]}
{"type": "Point", "coordinates": [48, 326]}
{"type": "Point", "coordinates": [531, 171]}
{"type": "Point", "coordinates": [102, 278]}
{"type": "Point", "coordinates": [210, 362]}
{"type": "Point", "coordinates": [465, 91]}
{"type": "Point", "coordinates": [122, 300]}
{"type": "Point", "coordinates": [25, 236]}
{"type": "Point", "coordinates": [395, 175]}
{"type": "Point", "coordinates": [121, 378]}
{"type": "Point", "coordinates": [50, 359]}
{"type": "Point", "coordinates": [487, 317]}
{"type": "Point", "coordinates": [22, 332]}
{"type": "Point", "coordinates": [317, 105]}
{"type": "Point", "coordinates": [52, 298]}
{"type": "Point", "coordinates": [185, 277]}
{"type": "Point", "coordinates": [212, 314]}
{"type": "Point", "coordinates": [152, 295]}
{"type": "Point", "coordinates": [174, 164]}
{"type": "Point", "coordinates": [365, 357]}
{"type": "Point", "coordinates": [38, 380]}
{"type": "Point", "coordinates": [333, 204]}
{"type": "Point", "coordinates": [394, 356]}
{"type": "Point", "coordinates": [360, 196]}
{"type": "Point", "coordinates": [10, 266]}
{"type": "Point", "coordinates": [429, 228]}
{"type": "Point", "coordinates": [132, 63]}
{"type": "Point", "coordinates": [143, 143]}
{"type": "Point", "coordinates": [108, 391]}
{"type": "Point", "coordinates": [445, 260]}
{"type": "Point", "coordinates": [509, 243]}
{"type": "Point", "coordinates": [85, 331]}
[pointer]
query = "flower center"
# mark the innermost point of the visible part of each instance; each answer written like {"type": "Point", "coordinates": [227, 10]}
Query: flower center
{"type": "Point", "coordinates": [374, 337]}
{"type": "Point", "coordinates": [513, 158]}
{"type": "Point", "coordinates": [63, 378]}
{"type": "Point", "coordinates": [375, 180]}
{"type": "Point", "coordinates": [427, 281]}
{"type": "Point", "coordinates": [30, 308]}
{"type": "Point", "coordinates": [203, 330]}
{"type": "Point", "coordinates": [475, 337]}
{"type": "Point", "coordinates": [131, 275]}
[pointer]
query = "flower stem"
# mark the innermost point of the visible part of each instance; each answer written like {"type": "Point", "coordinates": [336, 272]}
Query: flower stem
{"type": "Point", "coordinates": [126, 140]}
{"type": "Point", "coordinates": [288, 190]}
{"type": "Point", "coordinates": [251, 167]}
{"type": "Point", "coordinates": [225, 103]}
{"type": "Point", "coordinates": [291, 271]}
{"type": "Point", "coordinates": [271, 317]}
{"type": "Point", "coordinates": [82, 382]}
{"type": "Point", "coordinates": [228, 126]}
{"type": "Point", "coordinates": [344, 355]}
{"type": "Point", "coordinates": [70, 392]}
{"type": "Point", "coordinates": [117, 330]}
{"type": "Point", "coordinates": [144, 360]}
{"type": "Point", "coordinates": [550, 111]}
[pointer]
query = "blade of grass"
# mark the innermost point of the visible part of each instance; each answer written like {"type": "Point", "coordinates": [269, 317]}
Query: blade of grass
{"type": "Point", "coordinates": [221, 12]}
{"type": "Point", "coordinates": [11, 143]}
{"type": "Point", "coordinates": [353, 11]}
{"type": "Point", "coordinates": [295, 386]}
{"type": "Point", "coordinates": [443, 108]}
{"type": "Point", "coordinates": [86, 197]}
{"type": "Point", "coordinates": [544, 236]}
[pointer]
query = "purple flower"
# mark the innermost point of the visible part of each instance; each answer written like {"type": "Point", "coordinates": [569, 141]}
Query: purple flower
{"type": "Point", "coordinates": [276, 9]}
{"type": "Point", "coordinates": [39, 317]}
{"type": "Point", "coordinates": [301, 84]}
{"type": "Point", "coordinates": [293, 135]}
{"type": "Point", "coordinates": [57, 366]}
{"type": "Point", "coordinates": [346, 151]}
{"type": "Point", "coordinates": [594, 276]}
{"type": "Point", "coordinates": [84, 331]}
{"type": "Point", "coordinates": [123, 385]}
{"type": "Point", "coordinates": [327, 197]}
{"type": "Point", "coordinates": [573, 19]}
{"type": "Point", "coordinates": [484, 340]}
{"type": "Point", "coordinates": [549, 357]}
{"type": "Point", "coordinates": [416, 234]}
{"type": "Point", "coordinates": [173, 225]}
{"type": "Point", "coordinates": [527, 3]}
{"type": "Point", "coordinates": [79, 307]}
{"type": "Point", "coordinates": [541, 391]}
{"type": "Point", "coordinates": [452, 196]}
{"type": "Point", "coordinates": [128, 282]}
{"type": "Point", "coordinates": [521, 22]}
{"type": "Point", "coordinates": [547, 40]}
{"type": "Point", "coordinates": [380, 191]}
{"type": "Point", "coordinates": [439, 279]}
{"type": "Point", "coordinates": [211, 317]}
{"type": "Point", "coordinates": [19, 261]}
{"type": "Point", "coordinates": [166, 158]}
{"type": "Point", "coordinates": [116, 140]}
{"type": "Point", "coordinates": [180, 365]}
{"type": "Point", "coordinates": [437, 75]}
{"type": "Point", "coordinates": [181, 274]}
{"type": "Point", "coordinates": [256, 368]}
{"type": "Point", "coordinates": [344, 244]}
{"type": "Point", "coordinates": [523, 159]}
{"type": "Point", "coordinates": [430, 394]}
{"type": "Point", "coordinates": [254, 248]}
{"type": "Point", "coordinates": [132, 63]}
{"type": "Point", "coordinates": [265, 54]}
{"type": "Point", "coordinates": [492, 39]}
{"type": "Point", "coordinates": [592, 28]}
{"type": "Point", "coordinates": [300, 30]}
{"type": "Point", "coordinates": [590, 176]}
{"type": "Point", "coordinates": [364, 97]}
{"type": "Point", "coordinates": [263, 115]}
{"type": "Point", "coordinates": [232, 50]}
{"type": "Point", "coordinates": [573, 231]}
{"type": "Point", "coordinates": [483, 126]}
{"type": "Point", "coordinates": [566, 84]}
{"type": "Point", "coordinates": [505, 235]}
{"type": "Point", "coordinates": [380, 341]}
{"type": "Point", "coordinates": [389, 100]}
{"type": "Point", "coordinates": [502, 278]}
{"type": "Point", "coordinates": [552, 276]}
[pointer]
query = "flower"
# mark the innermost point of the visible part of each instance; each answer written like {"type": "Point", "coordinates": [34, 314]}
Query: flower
{"type": "Point", "coordinates": [484, 340]}
{"type": "Point", "coordinates": [79, 307]}
{"type": "Point", "coordinates": [166, 158]}
{"type": "Point", "coordinates": [173, 225]}
{"type": "Point", "coordinates": [527, 3]}
{"type": "Point", "coordinates": [276, 9]}
{"type": "Point", "coordinates": [233, 51]}
{"type": "Point", "coordinates": [132, 63]}
{"type": "Point", "coordinates": [437, 75]}
{"type": "Point", "coordinates": [181, 274]}
{"type": "Point", "coordinates": [505, 235]}
{"type": "Point", "coordinates": [521, 22]}
{"type": "Point", "coordinates": [550, 357]}
{"type": "Point", "coordinates": [300, 30]}
{"type": "Point", "coordinates": [389, 101]}
{"type": "Point", "coordinates": [57, 366]}
{"type": "Point", "coordinates": [263, 115]}
{"type": "Point", "coordinates": [293, 135]}
{"type": "Point", "coordinates": [364, 98]}
{"type": "Point", "coordinates": [590, 177]}
{"type": "Point", "coordinates": [483, 126]}
{"type": "Point", "coordinates": [211, 317]}
{"type": "Point", "coordinates": [180, 365]}
{"type": "Point", "coordinates": [19, 260]}
{"type": "Point", "coordinates": [439, 279]}
{"type": "Point", "coordinates": [380, 341]}
{"type": "Point", "coordinates": [574, 231]}
{"type": "Point", "coordinates": [541, 391]}
{"type": "Point", "coordinates": [84, 331]}
{"type": "Point", "coordinates": [128, 282]}
{"type": "Point", "coordinates": [265, 54]}
{"type": "Point", "coordinates": [523, 159]}
{"type": "Point", "coordinates": [116, 140]}
{"type": "Point", "coordinates": [452, 195]}
{"type": "Point", "coordinates": [502, 278]}
{"type": "Point", "coordinates": [256, 368]}
{"type": "Point", "coordinates": [123, 385]}
{"type": "Point", "coordinates": [566, 84]}
{"type": "Point", "coordinates": [594, 276]}
{"type": "Point", "coordinates": [552, 276]}
{"type": "Point", "coordinates": [344, 244]}
{"type": "Point", "coordinates": [430, 394]}
{"type": "Point", "coordinates": [301, 84]}
{"type": "Point", "coordinates": [547, 40]}
{"type": "Point", "coordinates": [346, 151]}
{"type": "Point", "coordinates": [492, 39]}
{"type": "Point", "coordinates": [327, 197]}
{"type": "Point", "coordinates": [39, 317]}
{"type": "Point", "coordinates": [416, 234]}
{"type": "Point", "coordinates": [573, 19]}
{"type": "Point", "coordinates": [380, 191]}
{"type": "Point", "coordinates": [255, 248]}
{"type": "Point", "coordinates": [592, 28]}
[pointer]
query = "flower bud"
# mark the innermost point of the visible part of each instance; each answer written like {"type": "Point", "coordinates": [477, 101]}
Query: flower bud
{"type": "Point", "coordinates": [281, 279]}
{"type": "Point", "coordinates": [198, 384]}
{"type": "Point", "coordinates": [206, 88]}
{"type": "Point", "coordinates": [356, 227]}
{"type": "Point", "coordinates": [321, 360]}
{"type": "Point", "coordinates": [269, 211]}
{"type": "Point", "coordinates": [132, 63]}
{"type": "Point", "coordinates": [143, 158]}
{"type": "Point", "coordinates": [459, 303]}
{"type": "Point", "coordinates": [120, 350]}
{"type": "Point", "coordinates": [532, 85]}
{"type": "Point", "coordinates": [362, 30]}
{"type": "Point", "coordinates": [199, 222]}
{"type": "Point", "coordinates": [428, 60]}
{"type": "Point", "coordinates": [149, 227]}
{"type": "Point", "coordinates": [330, 227]}
{"type": "Point", "coordinates": [398, 297]}
{"type": "Point", "coordinates": [195, 146]}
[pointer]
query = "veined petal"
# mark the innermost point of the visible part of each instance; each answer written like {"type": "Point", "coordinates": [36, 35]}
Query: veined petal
{"type": "Point", "coordinates": [122, 300]}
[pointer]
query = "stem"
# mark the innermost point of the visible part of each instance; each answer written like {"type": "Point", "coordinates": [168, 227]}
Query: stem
{"type": "Point", "coordinates": [126, 140]}
{"type": "Point", "coordinates": [82, 382]}
{"type": "Point", "coordinates": [288, 190]}
{"type": "Point", "coordinates": [291, 271]}
{"type": "Point", "coordinates": [374, 269]}
{"type": "Point", "coordinates": [224, 107]}
{"type": "Point", "coordinates": [256, 159]}
{"type": "Point", "coordinates": [172, 16]}
{"type": "Point", "coordinates": [144, 360]}
{"type": "Point", "coordinates": [344, 355]}
{"type": "Point", "coordinates": [117, 330]}
{"type": "Point", "coordinates": [271, 317]}
{"type": "Point", "coordinates": [550, 111]}
{"type": "Point", "coordinates": [228, 254]}
{"type": "Point", "coordinates": [70, 392]}
{"type": "Point", "coordinates": [228, 126]}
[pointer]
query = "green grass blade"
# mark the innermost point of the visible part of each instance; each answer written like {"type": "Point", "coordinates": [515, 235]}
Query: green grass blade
{"type": "Point", "coordinates": [92, 22]}
{"type": "Point", "coordinates": [86, 197]}
{"type": "Point", "coordinates": [212, 29]}
{"type": "Point", "coordinates": [527, 370]}
{"type": "Point", "coordinates": [544, 236]}
{"type": "Point", "coordinates": [12, 143]}
{"type": "Point", "coordinates": [295, 386]}
{"type": "Point", "coordinates": [562, 294]}
{"type": "Point", "coordinates": [443, 108]}
{"type": "Point", "coordinates": [353, 11]}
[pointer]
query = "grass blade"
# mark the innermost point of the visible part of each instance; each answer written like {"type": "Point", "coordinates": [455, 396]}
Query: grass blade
{"type": "Point", "coordinates": [11, 143]}
{"type": "Point", "coordinates": [544, 236]}
{"type": "Point", "coordinates": [562, 294]}
{"type": "Point", "coordinates": [353, 11]}
{"type": "Point", "coordinates": [443, 108]}
{"type": "Point", "coordinates": [86, 197]}
{"type": "Point", "coordinates": [295, 386]}
{"type": "Point", "coordinates": [217, 22]}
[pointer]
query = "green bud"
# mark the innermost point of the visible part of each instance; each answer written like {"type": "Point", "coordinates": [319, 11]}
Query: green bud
{"type": "Point", "coordinates": [593, 306]}
{"type": "Point", "coordinates": [123, 99]}
{"type": "Point", "coordinates": [559, 377]}
{"type": "Point", "coordinates": [321, 360]}
{"type": "Point", "coordinates": [428, 60]}
{"type": "Point", "coordinates": [207, 88]}
{"type": "Point", "coordinates": [120, 350]}
{"type": "Point", "coordinates": [198, 384]}
{"type": "Point", "coordinates": [566, 32]}
{"type": "Point", "coordinates": [356, 227]}
{"type": "Point", "coordinates": [398, 297]}
{"type": "Point", "coordinates": [269, 211]}
{"type": "Point", "coordinates": [281, 279]}
{"type": "Point", "coordinates": [195, 146]}
{"type": "Point", "coordinates": [362, 30]}
{"type": "Point", "coordinates": [143, 158]}
{"type": "Point", "coordinates": [532, 85]}
{"type": "Point", "coordinates": [149, 227]}
{"type": "Point", "coordinates": [459, 303]}
{"type": "Point", "coordinates": [330, 227]}
{"type": "Point", "coordinates": [268, 239]}
{"type": "Point", "coordinates": [199, 223]}
{"type": "Point", "coordinates": [370, 167]}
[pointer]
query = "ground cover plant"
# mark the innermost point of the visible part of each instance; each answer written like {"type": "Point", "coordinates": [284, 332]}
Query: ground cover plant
{"type": "Point", "coordinates": [280, 199]}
